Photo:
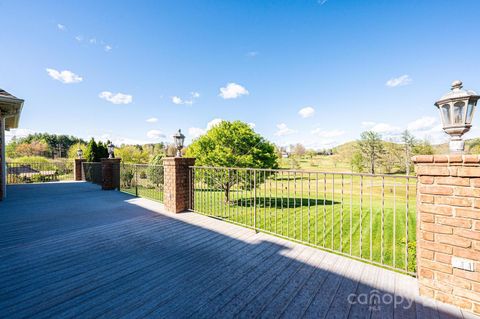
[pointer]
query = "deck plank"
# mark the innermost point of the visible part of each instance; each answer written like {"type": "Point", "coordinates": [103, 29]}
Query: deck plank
{"type": "Point", "coordinates": [95, 254]}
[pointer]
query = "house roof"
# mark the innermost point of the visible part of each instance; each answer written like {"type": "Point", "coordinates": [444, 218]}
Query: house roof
{"type": "Point", "coordinates": [10, 108]}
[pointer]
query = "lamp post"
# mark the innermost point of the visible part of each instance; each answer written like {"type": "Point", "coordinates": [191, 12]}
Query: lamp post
{"type": "Point", "coordinates": [79, 153]}
{"type": "Point", "coordinates": [456, 109]}
{"type": "Point", "coordinates": [179, 139]}
{"type": "Point", "coordinates": [111, 148]}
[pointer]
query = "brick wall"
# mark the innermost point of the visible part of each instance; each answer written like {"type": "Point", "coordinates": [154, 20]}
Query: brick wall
{"type": "Point", "coordinates": [110, 173]}
{"type": "Point", "coordinates": [448, 228]}
{"type": "Point", "coordinates": [177, 189]}
{"type": "Point", "coordinates": [78, 169]}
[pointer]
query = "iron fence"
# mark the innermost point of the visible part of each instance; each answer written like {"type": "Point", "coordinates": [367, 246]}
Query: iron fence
{"type": "Point", "coordinates": [20, 173]}
{"type": "Point", "coordinates": [142, 180]}
{"type": "Point", "coordinates": [92, 172]}
{"type": "Point", "coordinates": [367, 217]}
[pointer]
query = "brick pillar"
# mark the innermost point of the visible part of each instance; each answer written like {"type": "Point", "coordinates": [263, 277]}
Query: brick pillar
{"type": "Point", "coordinates": [78, 169]}
{"type": "Point", "coordinates": [448, 229]}
{"type": "Point", "coordinates": [177, 192]}
{"type": "Point", "coordinates": [110, 173]}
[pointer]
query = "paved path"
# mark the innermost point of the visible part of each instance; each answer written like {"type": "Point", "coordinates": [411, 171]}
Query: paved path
{"type": "Point", "coordinates": [70, 250]}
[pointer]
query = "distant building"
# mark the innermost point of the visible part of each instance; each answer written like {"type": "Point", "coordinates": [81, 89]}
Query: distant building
{"type": "Point", "coordinates": [10, 109]}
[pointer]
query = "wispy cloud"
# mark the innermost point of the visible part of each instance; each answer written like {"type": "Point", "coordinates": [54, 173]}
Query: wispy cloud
{"type": "Point", "coordinates": [151, 120]}
{"type": "Point", "coordinates": [155, 134]}
{"type": "Point", "coordinates": [232, 91]}
{"type": "Point", "coordinates": [327, 134]}
{"type": "Point", "coordinates": [321, 2]}
{"type": "Point", "coordinates": [107, 47]}
{"type": "Point", "coordinates": [382, 128]}
{"type": "Point", "coordinates": [422, 124]}
{"type": "Point", "coordinates": [252, 54]}
{"type": "Point", "coordinates": [399, 81]}
{"type": "Point", "coordinates": [283, 130]}
{"type": "Point", "coordinates": [188, 101]}
{"type": "Point", "coordinates": [116, 98]}
{"type": "Point", "coordinates": [306, 112]}
{"type": "Point", "coordinates": [61, 27]}
{"type": "Point", "coordinates": [65, 76]}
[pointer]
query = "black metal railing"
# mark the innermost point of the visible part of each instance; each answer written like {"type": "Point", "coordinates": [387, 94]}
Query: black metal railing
{"type": "Point", "coordinates": [367, 217]}
{"type": "Point", "coordinates": [142, 180]}
{"type": "Point", "coordinates": [21, 173]}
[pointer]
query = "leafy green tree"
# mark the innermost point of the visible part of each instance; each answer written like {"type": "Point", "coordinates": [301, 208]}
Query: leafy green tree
{"type": "Point", "coordinates": [233, 144]}
{"type": "Point", "coordinates": [91, 151]}
{"type": "Point", "coordinates": [155, 170]}
{"type": "Point", "coordinates": [72, 152]}
{"type": "Point", "coordinates": [132, 154]}
{"type": "Point", "coordinates": [371, 147]}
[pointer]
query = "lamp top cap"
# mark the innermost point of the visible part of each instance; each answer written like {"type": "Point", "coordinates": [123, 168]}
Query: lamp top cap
{"type": "Point", "coordinates": [457, 92]}
{"type": "Point", "coordinates": [457, 84]}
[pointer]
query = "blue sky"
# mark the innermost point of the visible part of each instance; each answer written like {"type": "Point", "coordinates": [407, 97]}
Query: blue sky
{"type": "Point", "coordinates": [315, 72]}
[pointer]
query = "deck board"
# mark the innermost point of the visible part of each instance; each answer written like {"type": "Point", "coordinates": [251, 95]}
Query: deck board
{"type": "Point", "coordinates": [70, 250]}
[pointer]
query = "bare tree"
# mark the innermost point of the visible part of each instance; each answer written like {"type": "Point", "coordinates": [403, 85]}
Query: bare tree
{"type": "Point", "coordinates": [371, 148]}
{"type": "Point", "coordinates": [409, 143]}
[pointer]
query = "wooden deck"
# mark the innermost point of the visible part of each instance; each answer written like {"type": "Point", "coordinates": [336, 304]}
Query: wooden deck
{"type": "Point", "coordinates": [69, 250]}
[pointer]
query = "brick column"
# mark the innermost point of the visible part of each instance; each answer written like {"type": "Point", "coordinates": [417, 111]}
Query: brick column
{"type": "Point", "coordinates": [110, 173]}
{"type": "Point", "coordinates": [448, 229]}
{"type": "Point", "coordinates": [78, 169]}
{"type": "Point", "coordinates": [177, 192]}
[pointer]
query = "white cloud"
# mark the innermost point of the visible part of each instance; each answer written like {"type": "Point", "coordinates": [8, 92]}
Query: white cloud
{"type": "Point", "coordinates": [195, 132]}
{"type": "Point", "coordinates": [327, 134]}
{"type": "Point", "coordinates": [306, 112]}
{"type": "Point", "coordinates": [400, 81]}
{"type": "Point", "coordinates": [252, 125]}
{"type": "Point", "coordinates": [422, 124]}
{"type": "Point", "coordinates": [177, 100]}
{"type": "Point", "coordinates": [155, 134]}
{"type": "Point", "coordinates": [61, 27]}
{"type": "Point", "coordinates": [64, 76]}
{"type": "Point", "coordinates": [188, 101]}
{"type": "Point", "coordinates": [17, 133]}
{"type": "Point", "coordinates": [252, 54]}
{"type": "Point", "coordinates": [283, 130]}
{"type": "Point", "coordinates": [116, 98]}
{"type": "Point", "coordinates": [382, 128]}
{"type": "Point", "coordinates": [107, 48]}
{"type": "Point", "coordinates": [213, 123]}
{"type": "Point", "coordinates": [79, 38]}
{"type": "Point", "coordinates": [232, 91]}
{"type": "Point", "coordinates": [93, 41]}
{"type": "Point", "coordinates": [152, 120]}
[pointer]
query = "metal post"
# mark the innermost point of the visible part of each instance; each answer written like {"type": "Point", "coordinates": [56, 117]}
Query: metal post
{"type": "Point", "coordinates": [136, 180]}
{"type": "Point", "coordinates": [255, 200]}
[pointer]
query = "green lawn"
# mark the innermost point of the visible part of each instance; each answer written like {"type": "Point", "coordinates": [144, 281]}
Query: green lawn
{"type": "Point", "coordinates": [324, 210]}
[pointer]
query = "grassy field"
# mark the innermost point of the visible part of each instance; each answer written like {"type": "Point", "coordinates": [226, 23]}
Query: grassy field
{"type": "Point", "coordinates": [371, 218]}
{"type": "Point", "coordinates": [368, 218]}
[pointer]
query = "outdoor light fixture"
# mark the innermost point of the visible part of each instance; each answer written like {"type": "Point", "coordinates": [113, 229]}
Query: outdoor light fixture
{"type": "Point", "coordinates": [79, 153]}
{"type": "Point", "coordinates": [111, 148]}
{"type": "Point", "coordinates": [456, 109]}
{"type": "Point", "coordinates": [178, 139]}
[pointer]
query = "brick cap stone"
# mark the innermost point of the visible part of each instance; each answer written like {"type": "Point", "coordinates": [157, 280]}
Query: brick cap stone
{"type": "Point", "coordinates": [457, 159]}
{"type": "Point", "coordinates": [174, 161]}
{"type": "Point", "coordinates": [113, 160]}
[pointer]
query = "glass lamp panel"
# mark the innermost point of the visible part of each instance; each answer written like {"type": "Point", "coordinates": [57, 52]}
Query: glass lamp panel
{"type": "Point", "coordinates": [446, 114]}
{"type": "Point", "coordinates": [470, 108]}
{"type": "Point", "coordinates": [458, 111]}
